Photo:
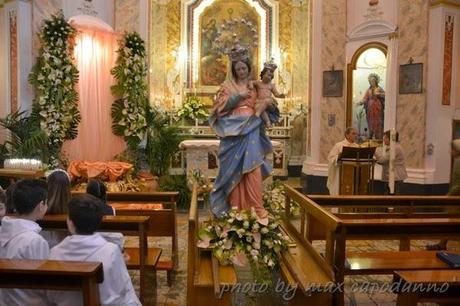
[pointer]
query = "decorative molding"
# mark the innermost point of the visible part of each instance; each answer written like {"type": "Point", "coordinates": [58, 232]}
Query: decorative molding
{"type": "Point", "coordinates": [87, 8]}
{"type": "Point", "coordinates": [373, 12]}
{"type": "Point", "coordinates": [447, 60]}
{"type": "Point", "coordinates": [13, 49]}
{"type": "Point", "coordinates": [161, 2]}
{"type": "Point", "coordinates": [191, 11]}
{"type": "Point", "coordinates": [371, 29]}
{"type": "Point", "coordinates": [452, 3]}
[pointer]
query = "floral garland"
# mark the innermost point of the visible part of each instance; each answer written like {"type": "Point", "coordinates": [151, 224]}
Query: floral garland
{"type": "Point", "coordinates": [130, 110]}
{"type": "Point", "coordinates": [193, 109]}
{"type": "Point", "coordinates": [240, 236]}
{"type": "Point", "coordinates": [54, 77]}
{"type": "Point", "coordinates": [274, 200]}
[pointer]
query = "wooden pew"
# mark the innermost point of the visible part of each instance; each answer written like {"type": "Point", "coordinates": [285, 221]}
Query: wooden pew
{"type": "Point", "coordinates": [302, 269]}
{"type": "Point", "coordinates": [129, 225]}
{"type": "Point", "coordinates": [313, 272]}
{"type": "Point", "coordinates": [53, 275]}
{"type": "Point", "coordinates": [205, 276]}
{"type": "Point", "coordinates": [356, 201]}
{"type": "Point", "coordinates": [382, 227]}
{"type": "Point", "coordinates": [428, 286]}
{"type": "Point", "coordinates": [161, 209]}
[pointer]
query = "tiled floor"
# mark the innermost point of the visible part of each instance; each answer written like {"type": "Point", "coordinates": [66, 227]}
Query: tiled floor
{"type": "Point", "coordinates": [176, 294]}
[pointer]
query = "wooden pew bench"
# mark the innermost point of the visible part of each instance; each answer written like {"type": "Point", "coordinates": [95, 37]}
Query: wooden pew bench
{"type": "Point", "coordinates": [302, 269]}
{"type": "Point", "coordinates": [312, 272]}
{"type": "Point", "coordinates": [206, 278]}
{"type": "Point", "coordinates": [428, 286]}
{"type": "Point", "coordinates": [53, 275]}
{"type": "Point", "coordinates": [160, 207]}
{"type": "Point", "coordinates": [382, 226]}
{"type": "Point", "coordinates": [129, 225]}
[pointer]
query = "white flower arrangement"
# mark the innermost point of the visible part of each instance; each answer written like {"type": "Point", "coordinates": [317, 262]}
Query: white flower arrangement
{"type": "Point", "coordinates": [129, 111]}
{"type": "Point", "coordinates": [274, 200]}
{"type": "Point", "coordinates": [193, 109]}
{"type": "Point", "coordinates": [54, 77]}
{"type": "Point", "coordinates": [239, 237]}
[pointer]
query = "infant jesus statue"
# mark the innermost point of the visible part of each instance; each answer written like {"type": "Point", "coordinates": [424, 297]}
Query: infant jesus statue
{"type": "Point", "coordinates": [265, 89]}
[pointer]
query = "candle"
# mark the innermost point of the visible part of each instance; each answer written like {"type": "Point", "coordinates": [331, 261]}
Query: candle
{"type": "Point", "coordinates": [22, 163]}
{"type": "Point", "coordinates": [391, 178]}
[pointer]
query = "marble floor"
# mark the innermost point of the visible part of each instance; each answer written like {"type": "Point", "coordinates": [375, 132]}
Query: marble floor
{"type": "Point", "coordinates": [176, 294]}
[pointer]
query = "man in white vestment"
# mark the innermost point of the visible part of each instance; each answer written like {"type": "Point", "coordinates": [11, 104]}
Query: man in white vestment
{"type": "Point", "coordinates": [85, 215]}
{"type": "Point", "coordinates": [20, 238]}
{"type": "Point", "coordinates": [333, 179]}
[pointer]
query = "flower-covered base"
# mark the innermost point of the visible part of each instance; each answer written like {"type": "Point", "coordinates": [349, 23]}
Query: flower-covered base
{"type": "Point", "coordinates": [241, 238]}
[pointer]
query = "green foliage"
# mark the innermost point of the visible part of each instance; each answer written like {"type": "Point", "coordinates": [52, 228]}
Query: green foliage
{"type": "Point", "coordinates": [193, 109]}
{"type": "Point", "coordinates": [162, 141]}
{"type": "Point", "coordinates": [27, 139]}
{"type": "Point", "coordinates": [54, 78]}
{"type": "Point", "coordinates": [177, 183]}
{"type": "Point", "coordinates": [129, 110]}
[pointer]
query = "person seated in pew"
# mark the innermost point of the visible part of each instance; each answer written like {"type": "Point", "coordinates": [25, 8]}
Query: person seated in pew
{"type": "Point", "coordinates": [333, 179]}
{"type": "Point", "coordinates": [85, 216]}
{"type": "Point", "coordinates": [97, 188]}
{"type": "Point", "coordinates": [20, 238]}
{"type": "Point", "coordinates": [454, 189]}
{"type": "Point", "coordinates": [58, 200]}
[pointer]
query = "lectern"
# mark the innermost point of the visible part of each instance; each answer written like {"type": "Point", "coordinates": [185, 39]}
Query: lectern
{"type": "Point", "coordinates": [356, 166]}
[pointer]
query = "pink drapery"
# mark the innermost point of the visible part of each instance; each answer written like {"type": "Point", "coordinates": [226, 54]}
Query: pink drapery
{"type": "Point", "coordinates": [95, 56]}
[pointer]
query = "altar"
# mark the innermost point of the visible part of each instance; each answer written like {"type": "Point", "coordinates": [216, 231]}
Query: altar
{"type": "Point", "coordinates": [201, 154]}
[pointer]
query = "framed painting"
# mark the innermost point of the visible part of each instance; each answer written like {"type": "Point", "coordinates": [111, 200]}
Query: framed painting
{"type": "Point", "coordinates": [410, 78]}
{"type": "Point", "coordinates": [333, 83]}
{"type": "Point", "coordinates": [213, 65]}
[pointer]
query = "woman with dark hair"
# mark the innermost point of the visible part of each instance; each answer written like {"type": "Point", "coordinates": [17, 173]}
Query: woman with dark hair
{"type": "Point", "coordinates": [58, 192]}
{"type": "Point", "coordinates": [98, 189]}
{"type": "Point", "coordinates": [243, 142]}
{"type": "Point", "coordinates": [58, 199]}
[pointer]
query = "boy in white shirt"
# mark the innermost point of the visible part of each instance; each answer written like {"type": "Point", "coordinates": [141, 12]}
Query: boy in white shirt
{"type": "Point", "coordinates": [20, 238]}
{"type": "Point", "coordinates": [85, 215]}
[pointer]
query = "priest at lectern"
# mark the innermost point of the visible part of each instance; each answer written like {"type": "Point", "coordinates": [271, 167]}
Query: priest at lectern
{"type": "Point", "coordinates": [333, 178]}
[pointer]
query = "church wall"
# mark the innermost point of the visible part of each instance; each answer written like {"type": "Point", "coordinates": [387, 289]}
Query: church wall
{"type": "Point", "coordinates": [127, 15]}
{"type": "Point", "coordinates": [413, 42]}
{"type": "Point", "coordinates": [334, 28]}
{"type": "Point", "coordinates": [340, 23]}
{"type": "Point", "coordinates": [164, 54]}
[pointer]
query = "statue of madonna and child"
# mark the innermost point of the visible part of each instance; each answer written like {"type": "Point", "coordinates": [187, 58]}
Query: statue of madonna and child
{"type": "Point", "coordinates": [237, 121]}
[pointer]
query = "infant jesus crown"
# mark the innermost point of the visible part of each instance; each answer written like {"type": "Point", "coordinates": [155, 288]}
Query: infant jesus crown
{"type": "Point", "coordinates": [270, 65]}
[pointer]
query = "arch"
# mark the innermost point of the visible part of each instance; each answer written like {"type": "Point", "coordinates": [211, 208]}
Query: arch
{"type": "Point", "coordinates": [372, 29]}
{"type": "Point", "coordinates": [92, 22]}
{"type": "Point", "coordinates": [352, 66]}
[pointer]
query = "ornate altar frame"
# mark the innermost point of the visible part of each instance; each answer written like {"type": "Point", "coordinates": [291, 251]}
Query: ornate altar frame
{"type": "Point", "coordinates": [190, 22]}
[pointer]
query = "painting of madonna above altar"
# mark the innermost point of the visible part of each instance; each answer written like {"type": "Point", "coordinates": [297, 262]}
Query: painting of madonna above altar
{"type": "Point", "coordinates": [235, 18]}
